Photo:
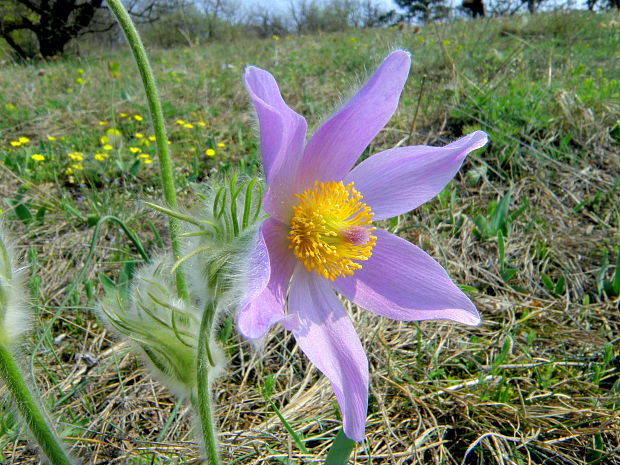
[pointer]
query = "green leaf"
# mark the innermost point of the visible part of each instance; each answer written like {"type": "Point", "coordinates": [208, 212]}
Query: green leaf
{"type": "Point", "coordinates": [508, 273]}
{"type": "Point", "coordinates": [23, 213]}
{"type": "Point", "coordinates": [546, 280]}
{"type": "Point", "coordinates": [615, 285]}
{"type": "Point", "coordinates": [498, 219]}
{"type": "Point", "coordinates": [108, 285]}
{"type": "Point", "coordinates": [341, 450]}
{"type": "Point", "coordinates": [135, 167]}
{"type": "Point", "coordinates": [501, 249]}
{"type": "Point", "coordinates": [41, 214]}
{"type": "Point", "coordinates": [92, 220]}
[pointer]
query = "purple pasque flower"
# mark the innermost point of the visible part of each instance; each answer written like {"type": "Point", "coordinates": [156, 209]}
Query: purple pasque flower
{"type": "Point", "coordinates": [320, 239]}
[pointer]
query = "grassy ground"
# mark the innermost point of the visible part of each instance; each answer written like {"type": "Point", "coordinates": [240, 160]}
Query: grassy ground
{"type": "Point", "coordinates": [530, 227]}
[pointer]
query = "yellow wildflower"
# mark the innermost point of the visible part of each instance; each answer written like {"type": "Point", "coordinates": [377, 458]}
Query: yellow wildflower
{"type": "Point", "coordinates": [24, 140]}
{"type": "Point", "coordinates": [51, 138]}
{"type": "Point", "coordinates": [122, 115]}
{"type": "Point", "coordinates": [209, 152]}
{"type": "Point", "coordinates": [134, 149]}
{"type": "Point", "coordinates": [102, 123]}
{"type": "Point", "coordinates": [221, 144]}
{"type": "Point", "coordinates": [77, 166]}
{"type": "Point", "coordinates": [37, 157]}
{"type": "Point", "coordinates": [79, 80]}
{"type": "Point", "coordinates": [137, 117]}
{"type": "Point", "coordinates": [107, 147]}
{"type": "Point", "coordinates": [15, 143]}
{"type": "Point", "coordinates": [104, 139]}
{"type": "Point", "coordinates": [180, 122]}
{"type": "Point", "coordinates": [100, 156]}
{"type": "Point", "coordinates": [188, 126]}
{"type": "Point", "coordinates": [143, 156]}
{"type": "Point", "coordinates": [152, 138]}
{"type": "Point", "coordinates": [76, 156]}
{"type": "Point", "coordinates": [202, 124]}
{"type": "Point", "coordinates": [138, 135]}
{"type": "Point", "coordinates": [113, 132]}
{"type": "Point", "coordinates": [79, 71]}
{"type": "Point", "coordinates": [68, 171]}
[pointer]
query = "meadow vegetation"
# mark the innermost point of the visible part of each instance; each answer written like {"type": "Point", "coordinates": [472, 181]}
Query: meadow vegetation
{"type": "Point", "coordinates": [530, 228]}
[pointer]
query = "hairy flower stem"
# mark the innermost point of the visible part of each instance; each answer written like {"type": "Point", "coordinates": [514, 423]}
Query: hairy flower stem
{"type": "Point", "coordinates": [202, 401]}
{"type": "Point", "coordinates": [30, 410]}
{"type": "Point", "coordinates": [157, 116]}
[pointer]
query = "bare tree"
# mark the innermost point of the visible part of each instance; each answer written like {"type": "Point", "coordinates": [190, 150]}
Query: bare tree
{"type": "Point", "coordinates": [264, 22]}
{"type": "Point", "coordinates": [334, 15]}
{"type": "Point", "coordinates": [218, 12]}
{"type": "Point", "coordinates": [424, 10]}
{"type": "Point", "coordinates": [45, 27]}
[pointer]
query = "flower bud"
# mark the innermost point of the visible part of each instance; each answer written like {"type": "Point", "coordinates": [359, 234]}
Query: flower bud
{"type": "Point", "coordinates": [14, 314]}
{"type": "Point", "coordinates": [160, 324]}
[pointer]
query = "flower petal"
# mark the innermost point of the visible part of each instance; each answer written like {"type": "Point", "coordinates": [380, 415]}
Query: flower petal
{"type": "Point", "coordinates": [282, 136]}
{"type": "Point", "coordinates": [327, 337]}
{"type": "Point", "coordinates": [410, 176]}
{"type": "Point", "coordinates": [263, 302]}
{"type": "Point", "coordinates": [402, 282]}
{"type": "Point", "coordinates": [258, 270]}
{"type": "Point", "coordinates": [338, 143]}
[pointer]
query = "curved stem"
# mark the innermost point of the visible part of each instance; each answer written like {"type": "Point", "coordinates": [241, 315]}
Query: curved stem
{"type": "Point", "coordinates": [202, 401]}
{"type": "Point", "coordinates": [30, 410]}
{"type": "Point", "coordinates": [157, 117]}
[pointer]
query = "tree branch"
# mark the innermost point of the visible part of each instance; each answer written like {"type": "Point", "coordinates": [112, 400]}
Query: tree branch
{"type": "Point", "coordinates": [15, 46]}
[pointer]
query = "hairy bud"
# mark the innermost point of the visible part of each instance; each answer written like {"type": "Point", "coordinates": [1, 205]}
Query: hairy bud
{"type": "Point", "coordinates": [14, 314]}
{"type": "Point", "coordinates": [160, 324]}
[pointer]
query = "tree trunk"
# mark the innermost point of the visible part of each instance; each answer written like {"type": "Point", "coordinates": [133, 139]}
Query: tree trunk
{"type": "Point", "coordinates": [475, 7]}
{"type": "Point", "coordinates": [52, 44]}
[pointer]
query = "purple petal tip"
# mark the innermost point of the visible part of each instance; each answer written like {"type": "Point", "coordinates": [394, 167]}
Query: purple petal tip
{"type": "Point", "coordinates": [478, 139]}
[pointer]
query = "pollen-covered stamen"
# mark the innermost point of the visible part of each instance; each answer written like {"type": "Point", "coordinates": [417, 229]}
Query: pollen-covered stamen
{"type": "Point", "coordinates": [331, 229]}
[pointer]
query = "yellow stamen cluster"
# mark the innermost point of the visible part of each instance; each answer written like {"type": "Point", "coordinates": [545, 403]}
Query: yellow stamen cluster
{"type": "Point", "coordinates": [330, 229]}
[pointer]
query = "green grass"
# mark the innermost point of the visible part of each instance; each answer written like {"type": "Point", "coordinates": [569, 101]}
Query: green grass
{"type": "Point", "coordinates": [530, 228]}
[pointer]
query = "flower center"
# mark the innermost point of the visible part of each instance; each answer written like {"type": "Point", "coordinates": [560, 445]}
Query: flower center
{"type": "Point", "coordinates": [331, 229]}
